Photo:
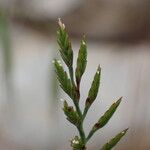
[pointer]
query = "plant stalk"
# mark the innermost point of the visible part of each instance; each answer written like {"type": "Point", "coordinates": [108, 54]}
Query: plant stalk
{"type": "Point", "coordinates": [76, 103]}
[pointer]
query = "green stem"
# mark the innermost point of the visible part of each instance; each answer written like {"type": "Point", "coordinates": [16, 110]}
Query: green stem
{"type": "Point", "coordinates": [76, 103]}
{"type": "Point", "coordinates": [89, 135]}
{"type": "Point", "coordinates": [71, 75]}
{"type": "Point", "coordinates": [77, 108]}
{"type": "Point", "coordinates": [82, 134]}
{"type": "Point", "coordinates": [85, 112]}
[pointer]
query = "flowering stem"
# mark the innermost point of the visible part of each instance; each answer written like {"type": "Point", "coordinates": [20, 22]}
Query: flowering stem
{"type": "Point", "coordinates": [70, 83]}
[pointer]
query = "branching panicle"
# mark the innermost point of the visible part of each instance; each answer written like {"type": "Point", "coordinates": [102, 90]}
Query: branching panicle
{"type": "Point", "coordinates": [71, 86]}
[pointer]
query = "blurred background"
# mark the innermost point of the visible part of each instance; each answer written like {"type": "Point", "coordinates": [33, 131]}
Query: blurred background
{"type": "Point", "coordinates": [117, 32]}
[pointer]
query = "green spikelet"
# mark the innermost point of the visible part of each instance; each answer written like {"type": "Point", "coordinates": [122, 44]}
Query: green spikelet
{"type": "Point", "coordinates": [114, 141]}
{"type": "Point", "coordinates": [81, 61]}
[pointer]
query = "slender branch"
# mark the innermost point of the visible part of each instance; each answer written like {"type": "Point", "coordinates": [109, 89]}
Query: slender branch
{"type": "Point", "coordinates": [76, 103]}
{"type": "Point", "coordinates": [71, 75]}
{"type": "Point", "coordinates": [89, 135]}
{"type": "Point", "coordinates": [77, 108]}
{"type": "Point", "coordinates": [85, 113]}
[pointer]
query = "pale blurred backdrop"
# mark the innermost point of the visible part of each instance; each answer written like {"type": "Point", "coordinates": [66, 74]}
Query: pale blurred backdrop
{"type": "Point", "coordinates": [117, 32]}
